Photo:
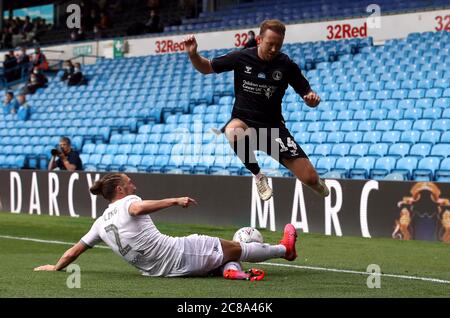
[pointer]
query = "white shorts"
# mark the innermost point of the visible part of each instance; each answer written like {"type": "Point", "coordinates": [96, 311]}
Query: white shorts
{"type": "Point", "coordinates": [201, 255]}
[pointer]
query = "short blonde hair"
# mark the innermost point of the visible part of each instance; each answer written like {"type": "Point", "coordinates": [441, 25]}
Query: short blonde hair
{"type": "Point", "coordinates": [274, 25]}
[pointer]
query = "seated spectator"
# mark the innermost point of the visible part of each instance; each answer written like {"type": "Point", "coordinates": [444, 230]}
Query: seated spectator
{"type": "Point", "coordinates": [152, 24]}
{"type": "Point", "coordinates": [105, 22]}
{"type": "Point", "coordinates": [77, 35]}
{"type": "Point", "coordinates": [23, 113]}
{"type": "Point", "coordinates": [251, 42]}
{"type": "Point", "coordinates": [37, 80]}
{"type": "Point", "coordinates": [10, 67]}
{"type": "Point", "coordinates": [10, 104]}
{"type": "Point", "coordinates": [24, 61]}
{"type": "Point", "coordinates": [77, 78]}
{"type": "Point", "coordinates": [39, 60]}
{"type": "Point", "coordinates": [27, 26]}
{"type": "Point", "coordinates": [68, 70]}
{"type": "Point", "coordinates": [68, 159]}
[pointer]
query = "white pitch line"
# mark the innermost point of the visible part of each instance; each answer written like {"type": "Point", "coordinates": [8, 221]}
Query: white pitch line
{"type": "Point", "coordinates": [345, 271]}
{"type": "Point", "coordinates": [427, 279]}
{"type": "Point", "coordinates": [42, 241]}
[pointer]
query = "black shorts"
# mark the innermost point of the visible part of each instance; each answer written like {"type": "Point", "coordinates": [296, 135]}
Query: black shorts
{"type": "Point", "coordinates": [277, 142]}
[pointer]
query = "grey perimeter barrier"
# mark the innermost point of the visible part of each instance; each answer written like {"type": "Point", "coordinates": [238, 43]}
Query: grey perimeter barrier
{"type": "Point", "coordinates": [365, 208]}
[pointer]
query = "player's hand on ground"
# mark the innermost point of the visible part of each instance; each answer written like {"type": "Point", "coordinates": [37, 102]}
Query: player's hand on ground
{"type": "Point", "coordinates": [190, 44]}
{"type": "Point", "coordinates": [186, 201]}
{"type": "Point", "coordinates": [47, 268]}
{"type": "Point", "coordinates": [311, 99]}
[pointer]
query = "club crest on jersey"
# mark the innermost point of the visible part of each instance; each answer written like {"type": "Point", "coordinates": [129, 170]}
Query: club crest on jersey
{"type": "Point", "coordinates": [269, 92]}
{"type": "Point", "coordinates": [248, 70]}
{"type": "Point", "coordinates": [262, 75]}
{"type": "Point", "coordinates": [277, 75]}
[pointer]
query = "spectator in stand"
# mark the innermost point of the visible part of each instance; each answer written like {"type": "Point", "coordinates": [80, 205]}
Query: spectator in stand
{"type": "Point", "coordinates": [10, 104]}
{"type": "Point", "coordinates": [24, 61]}
{"type": "Point", "coordinates": [37, 80]}
{"type": "Point", "coordinates": [152, 24]}
{"type": "Point", "coordinates": [77, 78]}
{"type": "Point", "coordinates": [77, 35]}
{"type": "Point", "coordinates": [23, 113]}
{"type": "Point", "coordinates": [27, 26]}
{"type": "Point", "coordinates": [251, 42]}
{"type": "Point", "coordinates": [39, 60]}
{"type": "Point", "coordinates": [153, 4]}
{"type": "Point", "coordinates": [116, 7]}
{"type": "Point", "coordinates": [7, 38]}
{"type": "Point", "coordinates": [68, 70]}
{"type": "Point", "coordinates": [10, 67]}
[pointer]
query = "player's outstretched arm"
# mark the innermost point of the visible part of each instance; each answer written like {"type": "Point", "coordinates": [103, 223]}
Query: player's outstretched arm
{"type": "Point", "coordinates": [201, 64]}
{"type": "Point", "coordinates": [68, 257]}
{"type": "Point", "coordinates": [150, 206]}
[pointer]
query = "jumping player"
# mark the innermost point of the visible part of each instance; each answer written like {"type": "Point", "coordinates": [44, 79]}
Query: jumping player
{"type": "Point", "coordinates": [129, 231]}
{"type": "Point", "coordinates": [261, 77]}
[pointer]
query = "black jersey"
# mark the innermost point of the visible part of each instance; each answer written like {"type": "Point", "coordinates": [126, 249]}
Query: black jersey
{"type": "Point", "coordinates": [260, 85]}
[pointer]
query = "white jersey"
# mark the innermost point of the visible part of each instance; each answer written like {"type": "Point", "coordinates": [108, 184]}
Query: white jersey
{"type": "Point", "coordinates": [136, 239]}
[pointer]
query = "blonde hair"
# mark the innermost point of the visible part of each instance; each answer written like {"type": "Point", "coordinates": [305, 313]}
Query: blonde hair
{"type": "Point", "coordinates": [106, 186]}
{"type": "Point", "coordinates": [274, 25]}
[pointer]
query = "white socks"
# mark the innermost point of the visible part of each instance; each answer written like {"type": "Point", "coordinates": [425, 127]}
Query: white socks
{"type": "Point", "coordinates": [259, 252]}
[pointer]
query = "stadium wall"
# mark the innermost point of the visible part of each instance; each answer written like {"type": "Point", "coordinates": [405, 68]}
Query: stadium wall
{"type": "Point", "coordinates": [365, 208]}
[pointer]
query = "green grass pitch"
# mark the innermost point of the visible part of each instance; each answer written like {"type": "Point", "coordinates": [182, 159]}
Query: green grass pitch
{"type": "Point", "coordinates": [103, 274]}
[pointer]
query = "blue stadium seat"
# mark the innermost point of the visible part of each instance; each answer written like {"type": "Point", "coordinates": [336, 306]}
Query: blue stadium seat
{"type": "Point", "coordinates": [105, 162]}
{"type": "Point", "coordinates": [405, 166]}
{"type": "Point", "coordinates": [403, 125]}
{"type": "Point", "coordinates": [410, 136]}
{"type": "Point", "coordinates": [399, 149]}
{"type": "Point", "coordinates": [443, 102]}
{"type": "Point", "coordinates": [325, 164]}
{"type": "Point", "coordinates": [350, 125]}
{"type": "Point", "coordinates": [431, 136]}
{"type": "Point", "coordinates": [344, 164]}
{"type": "Point", "coordinates": [432, 113]}
{"type": "Point", "coordinates": [392, 136]}
{"type": "Point", "coordinates": [422, 124]}
{"type": "Point", "coordinates": [118, 163]}
{"type": "Point", "coordinates": [382, 167]}
{"type": "Point", "coordinates": [426, 168]}
{"type": "Point", "coordinates": [441, 124]}
{"type": "Point", "coordinates": [372, 136]}
{"type": "Point", "coordinates": [318, 137]}
{"type": "Point", "coordinates": [362, 168]}
{"type": "Point", "coordinates": [340, 149]}
{"type": "Point", "coordinates": [111, 149]}
{"type": "Point", "coordinates": [302, 137]}
{"type": "Point", "coordinates": [359, 150]}
{"type": "Point", "coordinates": [441, 150]}
{"type": "Point", "coordinates": [335, 137]}
{"type": "Point", "coordinates": [420, 149]}
{"type": "Point", "coordinates": [331, 126]}
{"type": "Point", "coordinates": [378, 149]}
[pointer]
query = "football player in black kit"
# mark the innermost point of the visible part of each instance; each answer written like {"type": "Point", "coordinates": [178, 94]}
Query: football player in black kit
{"type": "Point", "coordinates": [261, 77]}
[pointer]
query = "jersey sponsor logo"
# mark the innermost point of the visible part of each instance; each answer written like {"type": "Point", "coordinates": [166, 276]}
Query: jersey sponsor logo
{"type": "Point", "coordinates": [277, 75]}
{"type": "Point", "coordinates": [248, 70]}
{"type": "Point", "coordinates": [262, 75]}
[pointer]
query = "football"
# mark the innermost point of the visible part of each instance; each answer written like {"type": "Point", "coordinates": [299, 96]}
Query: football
{"type": "Point", "coordinates": [248, 235]}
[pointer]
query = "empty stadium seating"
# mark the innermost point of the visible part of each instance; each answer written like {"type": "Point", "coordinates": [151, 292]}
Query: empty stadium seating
{"type": "Point", "coordinates": [385, 109]}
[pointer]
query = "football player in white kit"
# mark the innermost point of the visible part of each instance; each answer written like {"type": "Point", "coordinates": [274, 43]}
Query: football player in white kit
{"type": "Point", "coordinates": [129, 231]}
